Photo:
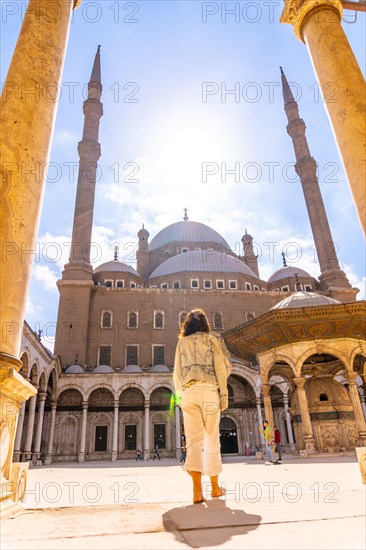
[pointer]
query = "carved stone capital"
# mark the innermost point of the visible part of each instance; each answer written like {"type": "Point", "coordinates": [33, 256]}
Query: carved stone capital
{"type": "Point", "coordinates": [296, 11]}
{"type": "Point", "coordinates": [351, 377]}
{"type": "Point", "coordinates": [300, 382]}
{"type": "Point", "coordinates": [42, 396]}
{"type": "Point", "coordinates": [266, 388]}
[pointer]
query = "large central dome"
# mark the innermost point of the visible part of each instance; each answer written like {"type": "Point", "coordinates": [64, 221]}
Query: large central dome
{"type": "Point", "coordinates": [196, 261]}
{"type": "Point", "coordinates": [187, 232]}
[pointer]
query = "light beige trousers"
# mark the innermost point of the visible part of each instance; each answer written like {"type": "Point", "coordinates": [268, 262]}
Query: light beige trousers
{"type": "Point", "coordinates": [201, 416]}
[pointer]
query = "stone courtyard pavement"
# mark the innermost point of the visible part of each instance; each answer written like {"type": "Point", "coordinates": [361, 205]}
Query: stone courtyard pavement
{"type": "Point", "coordinates": [303, 504]}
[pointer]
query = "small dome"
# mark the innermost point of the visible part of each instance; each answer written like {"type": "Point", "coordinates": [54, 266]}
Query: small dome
{"type": "Point", "coordinates": [197, 260]}
{"type": "Point", "coordinates": [74, 369]}
{"type": "Point", "coordinates": [116, 266]}
{"type": "Point", "coordinates": [288, 272]}
{"type": "Point", "coordinates": [103, 369]}
{"type": "Point", "coordinates": [187, 232]}
{"type": "Point", "coordinates": [160, 368]}
{"type": "Point", "coordinates": [305, 299]}
{"type": "Point", "coordinates": [132, 368]}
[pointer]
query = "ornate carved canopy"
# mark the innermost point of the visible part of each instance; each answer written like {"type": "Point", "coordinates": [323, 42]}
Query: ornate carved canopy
{"type": "Point", "coordinates": [279, 327]}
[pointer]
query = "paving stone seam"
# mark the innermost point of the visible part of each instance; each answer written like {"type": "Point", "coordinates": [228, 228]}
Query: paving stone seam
{"type": "Point", "coordinates": [176, 530]}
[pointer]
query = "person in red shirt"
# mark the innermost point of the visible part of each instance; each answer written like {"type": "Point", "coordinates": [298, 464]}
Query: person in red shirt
{"type": "Point", "coordinates": [277, 439]}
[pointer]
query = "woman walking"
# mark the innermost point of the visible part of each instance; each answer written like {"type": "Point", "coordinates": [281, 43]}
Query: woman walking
{"type": "Point", "coordinates": [201, 368]}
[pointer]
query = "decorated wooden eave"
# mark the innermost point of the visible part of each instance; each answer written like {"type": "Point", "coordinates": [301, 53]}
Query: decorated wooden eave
{"type": "Point", "coordinates": [284, 326]}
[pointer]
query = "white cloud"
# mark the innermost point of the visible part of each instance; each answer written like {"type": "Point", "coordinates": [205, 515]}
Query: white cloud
{"type": "Point", "coordinates": [32, 308]}
{"type": "Point", "coordinates": [46, 276]}
{"type": "Point", "coordinates": [356, 281]}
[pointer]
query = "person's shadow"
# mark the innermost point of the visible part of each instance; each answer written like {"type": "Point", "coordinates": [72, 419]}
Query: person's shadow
{"type": "Point", "coordinates": [208, 524]}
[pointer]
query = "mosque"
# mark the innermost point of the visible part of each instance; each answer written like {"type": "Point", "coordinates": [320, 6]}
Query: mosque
{"type": "Point", "coordinates": [297, 343]}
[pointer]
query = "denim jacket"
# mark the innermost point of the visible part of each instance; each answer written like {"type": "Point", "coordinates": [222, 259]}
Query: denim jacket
{"type": "Point", "coordinates": [203, 357]}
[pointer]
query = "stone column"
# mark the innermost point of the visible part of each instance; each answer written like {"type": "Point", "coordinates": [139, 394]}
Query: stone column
{"type": "Point", "coordinates": [28, 110]}
{"type": "Point", "coordinates": [49, 455]}
{"type": "Point", "coordinates": [260, 420]}
{"type": "Point", "coordinates": [356, 403]}
{"type": "Point", "coordinates": [19, 433]}
{"type": "Point", "coordinates": [147, 431]}
{"type": "Point", "coordinates": [318, 25]}
{"type": "Point", "coordinates": [363, 404]}
{"type": "Point", "coordinates": [178, 442]}
{"type": "Point", "coordinates": [29, 430]}
{"type": "Point", "coordinates": [115, 431]}
{"type": "Point", "coordinates": [83, 432]}
{"type": "Point", "coordinates": [266, 388]}
{"type": "Point", "coordinates": [307, 428]}
{"type": "Point", "coordinates": [288, 423]}
{"type": "Point", "coordinates": [27, 114]}
{"type": "Point", "coordinates": [36, 455]}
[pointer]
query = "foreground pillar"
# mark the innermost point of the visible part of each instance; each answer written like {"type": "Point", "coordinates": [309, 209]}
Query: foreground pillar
{"type": "Point", "coordinates": [307, 428]}
{"type": "Point", "coordinates": [318, 25]}
{"type": "Point", "coordinates": [357, 408]}
{"type": "Point", "coordinates": [27, 113]}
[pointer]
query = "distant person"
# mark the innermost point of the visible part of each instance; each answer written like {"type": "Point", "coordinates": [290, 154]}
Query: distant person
{"type": "Point", "coordinates": [183, 450]}
{"type": "Point", "coordinates": [156, 452]}
{"type": "Point", "coordinates": [266, 432]}
{"type": "Point", "coordinates": [138, 454]}
{"type": "Point", "coordinates": [277, 439]}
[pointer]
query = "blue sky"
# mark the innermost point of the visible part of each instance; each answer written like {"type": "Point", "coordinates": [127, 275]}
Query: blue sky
{"type": "Point", "coordinates": [158, 59]}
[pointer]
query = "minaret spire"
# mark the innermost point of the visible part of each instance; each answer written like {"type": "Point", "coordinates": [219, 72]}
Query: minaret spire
{"type": "Point", "coordinates": [332, 277]}
{"type": "Point", "coordinates": [89, 153]}
{"type": "Point", "coordinates": [96, 72]}
{"type": "Point", "coordinates": [249, 257]}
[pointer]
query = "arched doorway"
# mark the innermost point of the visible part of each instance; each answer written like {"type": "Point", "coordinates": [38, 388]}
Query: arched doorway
{"type": "Point", "coordinates": [161, 433]}
{"type": "Point", "coordinates": [228, 436]}
{"type": "Point", "coordinates": [100, 424]}
{"type": "Point", "coordinates": [131, 406]}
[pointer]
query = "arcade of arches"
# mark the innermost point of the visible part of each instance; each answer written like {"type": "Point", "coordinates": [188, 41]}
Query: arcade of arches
{"type": "Point", "coordinates": [317, 402]}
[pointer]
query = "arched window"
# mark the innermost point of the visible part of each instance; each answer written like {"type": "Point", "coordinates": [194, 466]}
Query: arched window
{"type": "Point", "coordinates": [106, 319]}
{"type": "Point", "coordinates": [132, 319]}
{"type": "Point", "coordinates": [159, 320]}
{"type": "Point", "coordinates": [218, 321]}
{"type": "Point", "coordinates": [323, 397]}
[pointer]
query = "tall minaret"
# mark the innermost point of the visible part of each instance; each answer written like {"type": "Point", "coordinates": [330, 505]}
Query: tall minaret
{"type": "Point", "coordinates": [77, 285]}
{"type": "Point", "coordinates": [332, 278]}
{"type": "Point", "coordinates": [89, 153]}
